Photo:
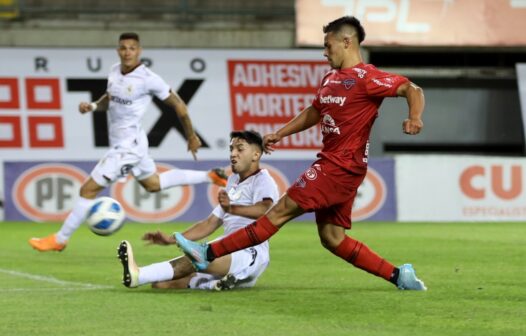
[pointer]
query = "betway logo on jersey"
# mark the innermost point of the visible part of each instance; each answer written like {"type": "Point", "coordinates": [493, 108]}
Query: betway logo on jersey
{"type": "Point", "coordinates": [121, 101]}
{"type": "Point", "coordinates": [332, 100]}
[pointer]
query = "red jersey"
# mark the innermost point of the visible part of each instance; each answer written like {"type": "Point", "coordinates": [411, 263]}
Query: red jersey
{"type": "Point", "coordinates": [348, 101]}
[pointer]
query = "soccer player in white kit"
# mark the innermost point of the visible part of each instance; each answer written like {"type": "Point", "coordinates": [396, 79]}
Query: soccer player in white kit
{"type": "Point", "coordinates": [249, 193]}
{"type": "Point", "coordinates": [131, 87]}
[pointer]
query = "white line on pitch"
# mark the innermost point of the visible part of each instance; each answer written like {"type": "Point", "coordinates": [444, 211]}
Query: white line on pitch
{"type": "Point", "coordinates": [55, 289]}
{"type": "Point", "coordinates": [52, 280]}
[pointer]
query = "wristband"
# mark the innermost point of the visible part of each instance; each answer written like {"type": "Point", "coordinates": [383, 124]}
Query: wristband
{"type": "Point", "coordinates": [93, 106]}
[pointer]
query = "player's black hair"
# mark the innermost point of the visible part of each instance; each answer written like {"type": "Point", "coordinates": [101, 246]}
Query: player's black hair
{"type": "Point", "coordinates": [251, 137]}
{"type": "Point", "coordinates": [336, 26]}
{"type": "Point", "coordinates": [129, 36]}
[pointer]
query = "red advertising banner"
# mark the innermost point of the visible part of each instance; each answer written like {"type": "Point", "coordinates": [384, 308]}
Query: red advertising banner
{"type": "Point", "coordinates": [419, 23]}
{"type": "Point", "coordinates": [266, 94]}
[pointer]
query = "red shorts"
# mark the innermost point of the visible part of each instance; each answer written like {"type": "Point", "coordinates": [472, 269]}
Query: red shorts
{"type": "Point", "coordinates": [328, 190]}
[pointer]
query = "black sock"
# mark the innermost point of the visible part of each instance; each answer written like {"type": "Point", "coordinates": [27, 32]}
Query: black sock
{"type": "Point", "coordinates": [210, 254]}
{"type": "Point", "coordinates": [394, 276]}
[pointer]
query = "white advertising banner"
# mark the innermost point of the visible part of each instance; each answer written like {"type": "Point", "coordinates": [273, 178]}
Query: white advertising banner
{"type": "Point", "coordinates": [40, 90]}
{"type": "Point", "coordinates": [460, 188]}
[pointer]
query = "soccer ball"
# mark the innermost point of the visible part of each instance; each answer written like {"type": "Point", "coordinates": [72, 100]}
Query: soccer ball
{"type": "Point", "coordinates": [105, 217]}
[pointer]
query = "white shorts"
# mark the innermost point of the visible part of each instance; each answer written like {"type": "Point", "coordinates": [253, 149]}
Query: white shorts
{"type": "Point", "coordinates": [247, 265]}
{"type": "Point", "coordinates": [117, 163]}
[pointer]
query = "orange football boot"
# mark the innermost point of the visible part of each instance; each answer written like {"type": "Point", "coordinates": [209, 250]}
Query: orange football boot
{"type": "Point", "coordinates": [48, 243]}
{"type": "Point", "coordinates": [218, 177]}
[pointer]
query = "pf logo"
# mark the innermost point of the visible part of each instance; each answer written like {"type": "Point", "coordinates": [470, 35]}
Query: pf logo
{"type": "Point", "coordinates": [161, 206]}
{"type": "Point", "coordinates": [371, 196]}
{"type": "Point", "coordinates": [477, 181]}
{"type": "Point", "coordinates": [281, 182]}
{"type": "Point", "coordinates": [47, 192]}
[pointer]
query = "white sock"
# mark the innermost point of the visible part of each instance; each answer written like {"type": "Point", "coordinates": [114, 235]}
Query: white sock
{"type": "Point", "coordinates": [162, 271]}
{"type": "Point", "coordinates": [177, 177]}
{"type": "Point", "coordinates": [74, 219]}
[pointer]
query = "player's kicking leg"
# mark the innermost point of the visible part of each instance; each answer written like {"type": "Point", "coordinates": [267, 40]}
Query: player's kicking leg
{"type": "Point", "coordinates": [182, 177]}
{"type": "Point", "coordinates": [58, 241]}
{"type": "Point", "coordinates": [218, 177]}
{"type": "Point", "coordinates": [130, 274]}
{"type": "Point", "coordinates": [407, 279]}
{"type": "Point", "coordinates": [195, 251]}
{"type": "Point", "coordinates": [48, 243]}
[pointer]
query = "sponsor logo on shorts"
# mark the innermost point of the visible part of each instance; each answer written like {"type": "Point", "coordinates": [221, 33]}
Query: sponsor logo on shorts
{"type": "Point", "coordinates": [254, 255]}
{"type": "Point", "coordinates": [125, 170]}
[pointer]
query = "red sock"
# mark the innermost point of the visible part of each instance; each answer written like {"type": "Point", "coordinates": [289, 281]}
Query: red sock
{"type": "Point", "coordinates": [251, 235]}
{"type": "Point", "coordinates": [362, 257]}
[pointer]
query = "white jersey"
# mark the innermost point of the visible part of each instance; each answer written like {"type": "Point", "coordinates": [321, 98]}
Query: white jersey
{"type": "Point", "coordinates": [255, 188]}
{"type": "Point", "coordinates": [129, 97]}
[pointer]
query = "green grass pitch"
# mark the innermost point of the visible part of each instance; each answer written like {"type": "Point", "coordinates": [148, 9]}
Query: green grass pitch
{"type": "Point", "coordinates": [475, 273]}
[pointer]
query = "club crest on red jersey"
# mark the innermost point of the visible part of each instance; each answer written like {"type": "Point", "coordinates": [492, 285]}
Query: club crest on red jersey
{"type": "Point", "coordinates": [349, 83]}
{"type": "Point", "coordinates": [311, 174]}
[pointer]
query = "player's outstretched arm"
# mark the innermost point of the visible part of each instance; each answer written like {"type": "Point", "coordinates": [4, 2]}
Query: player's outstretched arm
{"type": "Point", "coordinates": [181, 110]}
{"type": "Point", "coordinates": [306, 119]}
{"type": "Point", "coordinates": [203, 228]}
{"type": "Point", "coordinates": [416, 103]}
{"type": "Point", "coordinates": [197, 231]}
{"type": "Point", "coordinates": [158, 238]}
{"type": "Point", "coordinates": [249, 211]}
{"type": "Point", "coordinates": [99, 105]}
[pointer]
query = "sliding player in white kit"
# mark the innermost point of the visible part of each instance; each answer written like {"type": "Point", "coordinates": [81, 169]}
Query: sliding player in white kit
{"type": "Point", "coordinates": [249, 193]}
{"type": "Point", "coordinates": [131, 87]}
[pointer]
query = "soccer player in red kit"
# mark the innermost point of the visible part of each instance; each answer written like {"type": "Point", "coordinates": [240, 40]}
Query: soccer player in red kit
{"type": "Point", "coordinates": [346, 106]}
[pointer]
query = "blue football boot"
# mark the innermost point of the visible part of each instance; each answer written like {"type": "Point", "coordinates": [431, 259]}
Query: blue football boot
{"type": "Point", "coordinates": [195, 251]}
{"type": "Point", "coordinates": [407, 279]}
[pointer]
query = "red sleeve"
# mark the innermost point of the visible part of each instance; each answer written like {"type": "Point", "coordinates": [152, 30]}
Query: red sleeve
{"type": "Point", "coordinates": [316, 100]}
{"type": "Point", "coordinates": [384, 84]}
